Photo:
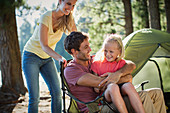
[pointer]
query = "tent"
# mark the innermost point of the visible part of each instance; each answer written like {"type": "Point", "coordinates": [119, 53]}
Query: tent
{"type": "Point", "coordinates": [149, 49]}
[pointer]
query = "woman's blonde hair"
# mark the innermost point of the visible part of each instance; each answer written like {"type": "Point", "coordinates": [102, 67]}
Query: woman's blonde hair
{"type": "Point", "coordinates": [65, 23]}
{"type": "Point", "coordinates": [110, 38]}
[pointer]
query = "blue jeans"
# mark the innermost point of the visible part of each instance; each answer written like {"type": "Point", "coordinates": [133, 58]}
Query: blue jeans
{"type": "Point", "coordinates": [32, 65]}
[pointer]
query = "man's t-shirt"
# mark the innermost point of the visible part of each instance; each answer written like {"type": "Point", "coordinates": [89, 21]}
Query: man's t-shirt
{"type": "Point", "coordinates": [72, 73]}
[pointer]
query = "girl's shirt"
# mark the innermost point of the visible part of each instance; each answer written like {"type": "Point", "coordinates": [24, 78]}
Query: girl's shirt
{"type": "Point", "coordinates": [33, 44]}
{"type": "Point", "coordinates": [105, 66]}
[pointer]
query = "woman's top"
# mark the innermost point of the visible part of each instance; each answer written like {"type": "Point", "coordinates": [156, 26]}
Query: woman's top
{"type": "Point", "coordinates": [33, 44]}
{"type": "Point", "coordinates": [106, 66]}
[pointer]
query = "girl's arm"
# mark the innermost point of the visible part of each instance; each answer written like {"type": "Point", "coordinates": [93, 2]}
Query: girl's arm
{"type": "Point", "coordinates": [44, 43]}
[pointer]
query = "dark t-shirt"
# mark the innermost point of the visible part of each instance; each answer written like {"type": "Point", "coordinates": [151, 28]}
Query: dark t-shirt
{"type": "Point", "coordinates": [72, 73]}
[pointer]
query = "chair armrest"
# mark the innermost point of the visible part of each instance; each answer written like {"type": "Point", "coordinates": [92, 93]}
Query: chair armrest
{"type": "Point", "coordinates": [142, 84]}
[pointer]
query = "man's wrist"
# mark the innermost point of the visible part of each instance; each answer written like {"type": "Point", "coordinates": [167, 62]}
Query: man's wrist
{"type": "Point", "coordinates": [119, 74]}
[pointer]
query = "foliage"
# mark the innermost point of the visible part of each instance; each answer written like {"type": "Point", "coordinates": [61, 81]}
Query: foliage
{"type": "Point", "coordinates": [25, 34]}
{"type": "Point", "coordinates": [100, 17]}
{"type": "Point", "coordinates": [139, 14]}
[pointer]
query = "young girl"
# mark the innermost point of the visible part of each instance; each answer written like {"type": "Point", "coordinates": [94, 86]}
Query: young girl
{"type": "Point", "coordinates": [109, 59]}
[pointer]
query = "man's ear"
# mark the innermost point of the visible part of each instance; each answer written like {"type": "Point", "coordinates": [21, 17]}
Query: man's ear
{"type": "Point", "coordinates": [73, 51]}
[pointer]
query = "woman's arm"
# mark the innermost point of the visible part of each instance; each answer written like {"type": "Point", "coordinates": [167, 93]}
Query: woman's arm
{"type": "Point", "coordinates": [44, 43]}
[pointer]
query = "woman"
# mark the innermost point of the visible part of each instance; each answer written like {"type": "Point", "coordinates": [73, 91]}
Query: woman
{"type": "Point", "coordinates": [39, 51]}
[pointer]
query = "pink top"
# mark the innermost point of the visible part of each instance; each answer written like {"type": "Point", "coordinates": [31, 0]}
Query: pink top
{"type": "Point", "coordinates": [105, 66]}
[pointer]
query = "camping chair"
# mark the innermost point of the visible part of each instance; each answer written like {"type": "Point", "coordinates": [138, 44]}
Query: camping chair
{"type": "Point", "coordinates": [92, 105]}
{"type": "Point", "coordinates": [73, 108]}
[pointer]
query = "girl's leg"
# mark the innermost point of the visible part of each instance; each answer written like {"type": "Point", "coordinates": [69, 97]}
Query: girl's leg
{"type": "Point", "coordinates": [31, 71]}
{"type": "Point", "coordinates": [49, 73]}
{"type": "Point", "coordinates": [129, 90]}
{"type": "Point", "coordinates": [112, 94]}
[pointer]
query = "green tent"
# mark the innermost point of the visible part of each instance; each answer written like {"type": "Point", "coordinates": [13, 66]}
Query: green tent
{"type": "Point", "coordinates": [149, 49]}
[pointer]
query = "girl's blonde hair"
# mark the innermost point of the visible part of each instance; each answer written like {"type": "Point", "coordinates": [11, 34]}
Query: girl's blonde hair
{"type": "Point", "coordinates": [110, 38]}
{"type": "Point", "coordinates": [65, 23]}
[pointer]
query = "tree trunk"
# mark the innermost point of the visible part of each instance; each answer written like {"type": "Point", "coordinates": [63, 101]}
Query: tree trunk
{"type": "Point", "coordinates": [128, 16]}
{"type": "Point", "coordinates": [146, 17]}
{"type": "Point", "coordinates": [154, 14]}
{"type": "Point", "coordinates": [167, 9]}
{"type": "Point", "coordinates": [10, 55]}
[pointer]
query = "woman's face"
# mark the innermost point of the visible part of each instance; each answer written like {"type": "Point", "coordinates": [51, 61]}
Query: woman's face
{"type": "Point", "coordinates": [66, 6]}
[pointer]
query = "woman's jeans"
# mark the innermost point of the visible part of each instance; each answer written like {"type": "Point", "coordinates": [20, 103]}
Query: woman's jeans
{"type": "Point", "coordinates": [32, 65]}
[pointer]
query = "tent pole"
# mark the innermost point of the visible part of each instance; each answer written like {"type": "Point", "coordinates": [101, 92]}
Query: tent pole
{"type": "Point", "coordinates": [159, 71]}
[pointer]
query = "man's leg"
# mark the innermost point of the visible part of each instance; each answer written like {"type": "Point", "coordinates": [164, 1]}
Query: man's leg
{"type": "Point", "coordinates": [147, 102]}
{"type": "Point", "coordinates": [106, 109]}
{"type": "Point", "coordinates": [157, 99]}
{"type": "Point", "coordinates": [150, 99]}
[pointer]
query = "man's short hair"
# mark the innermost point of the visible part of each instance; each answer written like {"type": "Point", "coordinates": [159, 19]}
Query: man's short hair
{"type": "Point", "coordinates": [73, 41]}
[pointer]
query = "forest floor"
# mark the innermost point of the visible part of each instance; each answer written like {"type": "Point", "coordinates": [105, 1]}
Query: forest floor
{"type": "Point", "coordinates": [45, 101]}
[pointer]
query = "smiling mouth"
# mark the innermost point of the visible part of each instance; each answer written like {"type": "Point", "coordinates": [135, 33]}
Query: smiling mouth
{"type": "Point", "coordinates": [109, 58]}
{"type": "Point", "coordinates": [68, 11]}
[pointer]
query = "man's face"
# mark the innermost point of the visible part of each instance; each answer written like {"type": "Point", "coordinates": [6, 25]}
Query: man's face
{"type": "Point", "coordinates": [84, 53]}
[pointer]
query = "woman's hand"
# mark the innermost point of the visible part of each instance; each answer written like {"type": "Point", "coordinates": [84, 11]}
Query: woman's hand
{"type": "Point", "coordinates": [64, 61]}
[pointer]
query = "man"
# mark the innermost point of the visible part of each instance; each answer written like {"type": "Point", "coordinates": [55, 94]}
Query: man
{"type": "Point", "coordinates": [81, 82]}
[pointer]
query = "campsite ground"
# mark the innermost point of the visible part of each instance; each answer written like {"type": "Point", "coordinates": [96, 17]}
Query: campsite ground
{"type": "Point", "coordinates": [45, 101]}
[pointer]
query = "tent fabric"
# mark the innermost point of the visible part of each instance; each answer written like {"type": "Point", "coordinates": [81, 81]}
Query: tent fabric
{"type": "Point", "coordinates": [142, 44]}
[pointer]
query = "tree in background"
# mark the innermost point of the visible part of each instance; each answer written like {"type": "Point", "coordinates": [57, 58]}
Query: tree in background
{"type": "Point", "coordinates": [154, 14]}
{"type": "Point", "coordinates": [99, 17]}
{"type": "Point", "coordinates": [167, 9]}
{"type": "Point", "coordinates": [12, 81]}
{"type": "Point", "coordinates": [128, 16]}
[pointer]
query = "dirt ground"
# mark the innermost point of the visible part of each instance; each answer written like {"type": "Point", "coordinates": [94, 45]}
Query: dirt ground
{"type": "Point", "coordinates": [45, 101]}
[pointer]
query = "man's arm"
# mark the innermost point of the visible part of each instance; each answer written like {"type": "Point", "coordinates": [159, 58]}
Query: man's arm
{"type": "Point", "coordinates": [126, 69]}
{"type": "Point", "coordinates": [90, 80]}
{"type": "Point", "coordinates": [115, 77]}
{"type": "Point", "coordinates": [127, 78]}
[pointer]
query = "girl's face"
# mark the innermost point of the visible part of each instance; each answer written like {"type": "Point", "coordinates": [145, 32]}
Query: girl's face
{"type": "Point", "coordinates": [66, 6]}
{"type": "Point", "coordinates": [111, 51]}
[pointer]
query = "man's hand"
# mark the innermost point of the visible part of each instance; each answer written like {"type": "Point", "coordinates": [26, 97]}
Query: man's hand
{"type": "Point", "coordinates": [111, 78]}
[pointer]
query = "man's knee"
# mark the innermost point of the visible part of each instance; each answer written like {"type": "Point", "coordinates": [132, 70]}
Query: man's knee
{"type": "Point", "coordinates": [155, 93]}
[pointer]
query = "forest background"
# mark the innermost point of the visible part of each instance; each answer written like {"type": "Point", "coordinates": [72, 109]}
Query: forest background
{"type": "Point", "coordinates": [95, 17]}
